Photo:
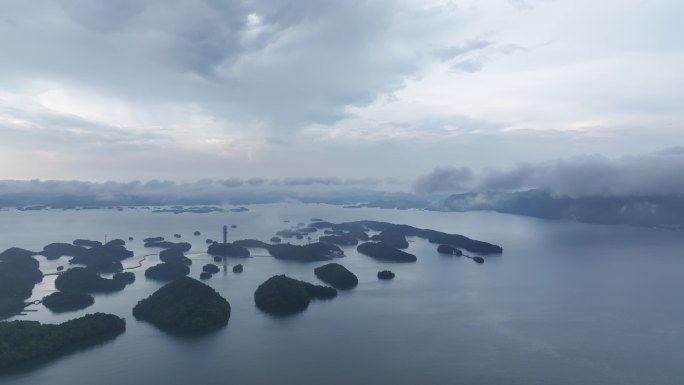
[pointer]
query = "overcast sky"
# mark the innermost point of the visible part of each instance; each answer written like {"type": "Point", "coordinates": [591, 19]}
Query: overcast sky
{"type": "Point", "coordinates": [183, 90]}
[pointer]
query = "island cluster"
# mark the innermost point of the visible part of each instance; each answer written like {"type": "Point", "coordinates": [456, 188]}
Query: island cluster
{"type": "Point", "coordinates": [184, 305]}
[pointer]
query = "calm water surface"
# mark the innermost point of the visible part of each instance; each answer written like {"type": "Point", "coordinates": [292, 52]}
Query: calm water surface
{"type": "Point", "coordinates": [566, 303]}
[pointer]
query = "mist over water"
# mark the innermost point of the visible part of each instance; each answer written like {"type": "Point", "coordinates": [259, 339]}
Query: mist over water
{"type": "Point", "coordinates": [566, 303]}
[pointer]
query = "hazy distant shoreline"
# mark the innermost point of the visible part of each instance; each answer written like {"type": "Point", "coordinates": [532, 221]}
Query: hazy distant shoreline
{"type": "Point", "coordinates": [650, 211]}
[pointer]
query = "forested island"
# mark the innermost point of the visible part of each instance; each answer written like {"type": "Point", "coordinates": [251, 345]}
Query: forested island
{"type": "Point", "coordinates": [174, 255]}
{"type": "Point", "coordinates": [253, 243]}
{"type": "Point", "coordinates": [319, 291]}
{"type": "Point", "coordinates": [336, 276]}
{"type": "Point", "coordinates": [385, 275]}
{"type": "Point", "coordinates": [167, 271]}
{"type": "Point", "coordinates": [281, 295]}
{"type": "Point", "coordinates": [161, 243]}
{"type": "Point", "coordinates": [104, 258]}
{"type": "Point", "coordinates": [228, 250]}
{"type": "Point", "coordinates": [184, 306]}
{"type": "Point", "coordinates": [86, 243]}
{"type": "Point", "coordinates": [210, 268]}
{"type": "Point", "coordinates": [312, 252]}
{"type": "Point", "coordinates": [19, 273]}
{"type": "Point", "coordinates": [380, 250]}
{"type": "Point", "coordinates": [386, 244]}
{"type": "Point", "coordinates": [57, 250]}
{"type": "Point", "coordinates": [85, 280]}
{"type": "Point", "coordinates": [393, 235]}
{"type": "Point", "coordinates": [341, 240]}
{"type": "Point", "coordinates": [64, 301]}
{"type": "Point", "coordinates": [30, 342]}
{"type": "Point", "coordinates": [126, 277]}
{"type": "Point", "coordinates": [318, 251]}
{"type": "Point", "coordinates": [448, 249]}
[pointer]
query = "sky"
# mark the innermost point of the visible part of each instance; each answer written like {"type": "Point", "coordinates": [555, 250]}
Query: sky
{"type": "Point", "coordinates": [184, 90]}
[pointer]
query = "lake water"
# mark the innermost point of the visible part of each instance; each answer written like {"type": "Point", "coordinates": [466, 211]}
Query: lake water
{"type": "Point", "coordinates": [566, 303]}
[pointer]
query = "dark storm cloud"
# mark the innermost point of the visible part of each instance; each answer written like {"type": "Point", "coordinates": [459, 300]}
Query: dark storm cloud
{"type": "Point", "coordinates": [285, 63]}
{"type": "Point", "coordinates": [658, 173]}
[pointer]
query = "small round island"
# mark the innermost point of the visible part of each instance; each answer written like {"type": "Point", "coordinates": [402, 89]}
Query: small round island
{"type": "Point", "coordinates": [184, 306]}
{"type": "Point", "coordinates": [64, 301]}
{"type": "Point", "coordinates": [281, 295]}
{"type": "Point", "coordinates": [385, 275]}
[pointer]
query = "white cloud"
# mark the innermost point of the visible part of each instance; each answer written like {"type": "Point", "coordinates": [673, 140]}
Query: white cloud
{"type": "Point", "coordinates": [275, 87]}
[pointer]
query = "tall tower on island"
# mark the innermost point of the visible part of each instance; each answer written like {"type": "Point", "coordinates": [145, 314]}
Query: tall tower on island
{"type": "Point", "coordinates": [225, 234]}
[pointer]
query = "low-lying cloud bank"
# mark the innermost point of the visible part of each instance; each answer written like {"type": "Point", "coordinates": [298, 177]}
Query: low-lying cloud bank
{"type": "Point", "coordinates": [655, 174]}
{"type": "Point", "coordinates": [215, 192]}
